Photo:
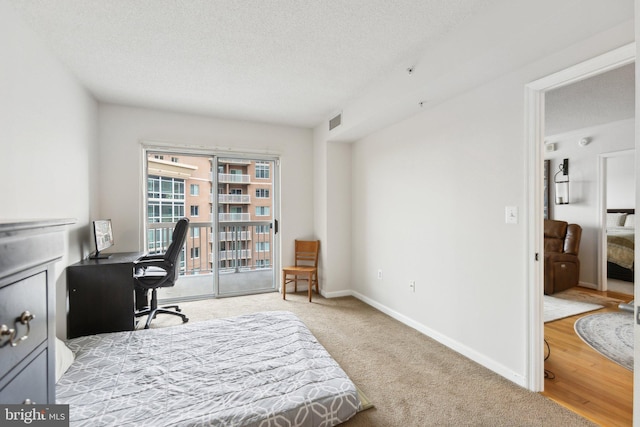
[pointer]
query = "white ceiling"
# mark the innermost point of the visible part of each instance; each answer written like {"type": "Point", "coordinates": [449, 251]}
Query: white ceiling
{"type": "Point", "coordinates": [598, 100]}
{"type": "Point", "coordinates": [291, 62]}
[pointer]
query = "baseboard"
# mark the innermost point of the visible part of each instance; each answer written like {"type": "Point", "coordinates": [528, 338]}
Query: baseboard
{"type": "Point", "coordinates": [442, 339]}
{"type": "Point", "coordinates": [336, 294]}
{"type": "Point", "coordinates": [588, 285]}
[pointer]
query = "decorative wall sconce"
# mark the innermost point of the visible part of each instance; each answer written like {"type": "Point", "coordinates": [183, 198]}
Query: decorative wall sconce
{"type": "Point", "coordinates": [562, 183]}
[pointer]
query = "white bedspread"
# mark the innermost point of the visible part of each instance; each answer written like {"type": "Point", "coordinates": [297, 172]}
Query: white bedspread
{"type": "Point", "coordinates": [263, 369]}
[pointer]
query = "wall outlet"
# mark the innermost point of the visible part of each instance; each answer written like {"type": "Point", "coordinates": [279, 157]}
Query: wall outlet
{"type": "Point", "coordinates": [379, 274]}
{"type": "Point", "coordinates": [412, 285]}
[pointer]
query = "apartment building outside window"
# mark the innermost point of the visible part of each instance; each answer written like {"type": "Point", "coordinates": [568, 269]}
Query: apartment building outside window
{"type": "Point", "coordinates": [262, 170]}
{"type": "Point", "coordinates": [165, 203]}
{"type": "Point", "coordinates": [239, 207]}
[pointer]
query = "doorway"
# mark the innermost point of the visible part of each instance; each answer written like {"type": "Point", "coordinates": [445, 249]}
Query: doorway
{"type": "Point", "coordinates": [616, 182]}
{"type": "Point", "coordinates": [535, 109]}
{"type": "Point", "coordinates": [231, 204]}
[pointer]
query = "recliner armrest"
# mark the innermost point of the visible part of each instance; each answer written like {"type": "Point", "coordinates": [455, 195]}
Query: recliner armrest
{"type": "Point", "coordinates": [560, 257]}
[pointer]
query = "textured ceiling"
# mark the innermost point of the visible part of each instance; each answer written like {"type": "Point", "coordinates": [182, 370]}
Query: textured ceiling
{"type": "Point", "coordinates": [601, 99]}
{"type": "Point", "coordinates": [281, 61]}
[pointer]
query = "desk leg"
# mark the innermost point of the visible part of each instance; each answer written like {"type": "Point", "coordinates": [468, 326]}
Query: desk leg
{"type": "Point", "coordinates": [310, 285]}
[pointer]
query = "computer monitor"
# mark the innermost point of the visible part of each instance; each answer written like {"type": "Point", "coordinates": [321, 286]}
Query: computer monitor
{"type": "Point", "coordinates": [103, 237]}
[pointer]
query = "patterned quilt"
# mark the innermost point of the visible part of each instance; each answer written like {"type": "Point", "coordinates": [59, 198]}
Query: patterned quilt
{"type": "Point", "coordinates": [263, 369]}
{"type": "Point", "coordinates": [620, 247]}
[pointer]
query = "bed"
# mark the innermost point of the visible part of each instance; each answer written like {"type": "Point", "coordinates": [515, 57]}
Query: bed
{"type": "Point", "coordinates": [620, 244]}
{"type": "Point", "coordinates": [261, 369]}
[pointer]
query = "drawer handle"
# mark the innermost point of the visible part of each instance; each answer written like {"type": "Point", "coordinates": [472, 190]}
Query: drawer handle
{"type": "Point", "coordinates": [25, 318]}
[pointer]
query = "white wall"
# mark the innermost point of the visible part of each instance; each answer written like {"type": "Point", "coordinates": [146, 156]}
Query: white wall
{"type": "Point", "coordinates": [429, 195]}
{"type": "Point", "coordinates": [583, 184]}
{"type": "Point", "coordinates": [122, 129]}
{"type": "Point", "coordinates": [47, 142]}
{"type": "Point", "coordinates": [428, 204]}
{"type": "Point", "coordinates": [332, 220]}
{"type": "Point", "coordinates": [621, 184]}
{"type": "Point", "coordinates": [339, 220]}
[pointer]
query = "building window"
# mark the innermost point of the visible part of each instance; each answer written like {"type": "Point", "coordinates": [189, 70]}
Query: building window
{"type": "Point", "coordinates": [262, 211]}
{"type": "Point", "coordinates": [195, 189]}
{"type": "Point", "coordinates": [262, 263]}
{"type": "Point", "coordinates": [262, 229]}
{"type": "Point", "coordinates": [159, 157]}
{"type": "Point", "coordinates": [195, 253]}
{"type": "Point", "coordinates": [195, 232]}
{"type": "Point", "coordinates": [160, 187]}
{"type": "Point", "coordinates": [262, 170]}
{"type": "Point", "coordinates": [174, 159]}
{"type": "Point", "coordinates": [195, 210]}
{"type": "Point", "coordinates": [262, 247]}
{"type": "Point", "coordinates": [262, 193]}
{"type": "Point", "coordinates": [166, 199]}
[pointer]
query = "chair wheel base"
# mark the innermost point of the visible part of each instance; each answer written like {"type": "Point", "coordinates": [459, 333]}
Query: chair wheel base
{"type": "Point", "coordinates": [160, 310]}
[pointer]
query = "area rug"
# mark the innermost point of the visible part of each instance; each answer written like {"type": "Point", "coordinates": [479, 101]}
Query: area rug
{"type": "Point", "coordinates": [610, 334]}
{"type": "Point", "coordinates": [558, 308]}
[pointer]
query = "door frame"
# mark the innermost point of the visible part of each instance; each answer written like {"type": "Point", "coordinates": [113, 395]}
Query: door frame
{"type": "Point", "coordinates": [147, 146]}
{"type": "Point", "coordinates": [602, 211]}
{"type": "Point", "coordinates": [534, 142]}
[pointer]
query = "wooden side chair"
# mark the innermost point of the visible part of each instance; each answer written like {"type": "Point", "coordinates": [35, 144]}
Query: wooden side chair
{"type": "Point", "coordinates": [305, 268]}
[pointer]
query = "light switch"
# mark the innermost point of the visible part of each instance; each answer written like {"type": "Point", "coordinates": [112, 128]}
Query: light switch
{"type": "Point", "coordinates": [511, 214]}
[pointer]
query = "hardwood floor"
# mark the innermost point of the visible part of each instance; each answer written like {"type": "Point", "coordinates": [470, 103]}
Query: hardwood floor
{"type": "Point", "coordinates": [585, 381]}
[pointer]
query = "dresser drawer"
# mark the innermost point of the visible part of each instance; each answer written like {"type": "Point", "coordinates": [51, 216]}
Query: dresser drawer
{"type": "Point", "coordinates": [30, 383]}
{"type": "Point", "coordinates": [29, 294]}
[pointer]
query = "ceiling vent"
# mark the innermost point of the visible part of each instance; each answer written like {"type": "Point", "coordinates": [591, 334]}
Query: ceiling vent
{"type": "Point", "coordinates": [335, 122]}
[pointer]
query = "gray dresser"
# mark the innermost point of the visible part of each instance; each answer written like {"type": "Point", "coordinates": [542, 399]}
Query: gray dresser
{"type": "Point", "coordinates": [28, 250]}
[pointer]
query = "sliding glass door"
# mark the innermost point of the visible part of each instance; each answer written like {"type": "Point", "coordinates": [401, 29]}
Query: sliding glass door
{"type": "Point", "coordinates": [246, 220]}
{"type": "Point", "coordinates": [231, 252]}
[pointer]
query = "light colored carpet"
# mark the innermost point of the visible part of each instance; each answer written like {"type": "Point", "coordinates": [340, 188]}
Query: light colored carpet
{"type": "Point", "coordinates": [412, 379]}
{"type": "Point", "coordinates": [610, 334]}
{"type": "Point", "coordinates": [559, 308]}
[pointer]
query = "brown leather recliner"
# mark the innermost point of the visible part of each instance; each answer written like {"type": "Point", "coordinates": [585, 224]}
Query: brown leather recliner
{"type": "Point", "coordinates": [561, 263]}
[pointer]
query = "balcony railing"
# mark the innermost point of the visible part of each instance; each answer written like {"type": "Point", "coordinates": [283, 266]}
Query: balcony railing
{"type": "Point", "coordinates": [227, 217]}
{"type": "Point", "coordinates": [234, 198]}
{"type": "Point", "coordinates": [226, 236]}
{"type": "Point", "coordinates": [233, 254]}
{"type": "Point", "coordinates": [243, 246]}
{"type": "Point", "coordinates": [235, 161]}
{"type": "Point", "coordinates": [234, 178]}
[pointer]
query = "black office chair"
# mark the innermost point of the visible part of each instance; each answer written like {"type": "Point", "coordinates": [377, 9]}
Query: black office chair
{"type": "Point", "coordinates": [159, 271]}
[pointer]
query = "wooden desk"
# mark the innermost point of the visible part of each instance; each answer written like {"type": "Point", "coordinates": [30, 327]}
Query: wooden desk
{"type": "Point", "coordinates": [100, 294]}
